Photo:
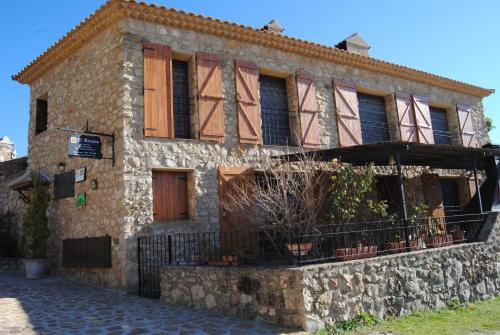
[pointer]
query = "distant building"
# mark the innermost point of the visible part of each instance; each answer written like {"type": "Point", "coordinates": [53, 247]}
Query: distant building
{"type": "Point", "coordinates": [7, 151]}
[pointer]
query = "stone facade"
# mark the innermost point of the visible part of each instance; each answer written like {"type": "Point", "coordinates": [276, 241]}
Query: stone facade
{"type": "Point", "coordinates": [313, 295]}
{"type": "Point", "coordinates": [102, 82]}
{"type": "Point", "coordinates": [7, 151]}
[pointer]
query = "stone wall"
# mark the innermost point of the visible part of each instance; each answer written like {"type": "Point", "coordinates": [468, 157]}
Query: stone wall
{"type": "Point", "coordinates": [84, 87]}
{"type": "Point", "coordinates": [313, 295]}
{"type": "Point", "coordinates": [142, 155]}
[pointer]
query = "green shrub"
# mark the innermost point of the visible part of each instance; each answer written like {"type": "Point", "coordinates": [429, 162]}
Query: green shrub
{"type": "Point", "coordinates": [35, 222]}
{"type": "Point", "coordinates": [361, 320]}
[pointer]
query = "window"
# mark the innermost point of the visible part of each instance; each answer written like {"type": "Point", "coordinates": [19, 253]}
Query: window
{"type": "Point", "coordinates": [180, 79]}
{"type": "Point", "coordinates": [170, 196]}
{"type": "Point", "coordinates": [41, 116]}
{"type": "Point", "coordinates": [373, 118]}
{"type": "Point", "coordinates": [274, 111]}
{"type": "Point", "coordinates": [440, 129]}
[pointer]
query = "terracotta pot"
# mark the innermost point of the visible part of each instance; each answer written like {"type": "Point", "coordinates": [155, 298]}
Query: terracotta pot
{"type": "Point", "coordinates": [304, 248]}
{"type": "Point", "coordinates": [458, 236]}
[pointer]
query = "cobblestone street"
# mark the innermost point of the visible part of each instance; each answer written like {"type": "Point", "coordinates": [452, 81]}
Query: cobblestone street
{"type": "Point", "coordinates": [58, 306]}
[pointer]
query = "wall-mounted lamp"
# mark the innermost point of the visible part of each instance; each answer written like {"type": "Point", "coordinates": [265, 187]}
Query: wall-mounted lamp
{"type": "Point", "coordinates": [61, 166]}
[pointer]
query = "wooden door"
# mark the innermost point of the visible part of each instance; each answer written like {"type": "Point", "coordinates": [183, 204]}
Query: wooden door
{"type": "Point", "coordinates": [406, 118]}
{"type": "Point", "coordinates": [170, 196]}
{"type": "Point", "coordinates": [247, 102]}
{"type": "Point", "coordinates": [347, 108]}
{"type": "Point", "coordinates": [466, 127]}
{"type": "Point", "coordinates": [308, 110]}
{"type": "Point", "coordinates": [423, 120]}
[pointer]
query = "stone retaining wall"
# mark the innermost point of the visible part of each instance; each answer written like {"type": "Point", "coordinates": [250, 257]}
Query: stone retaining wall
{"type": "Point", "coordinates": [311, 296]}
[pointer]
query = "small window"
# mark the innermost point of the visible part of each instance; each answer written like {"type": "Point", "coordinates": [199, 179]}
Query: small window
{"type": "Point", "coordinates": [373, 118]}
{"type": "Point", "coordinates": [274, 111]}
{"type": "Point", "coordinates": [64, 185]}
{"type": "Point", "coordinates": [180, 79]}
{"type": "Point", "coordinates": [440, 129]}
{"type": "Point", "coordinates": [170, 196]}
{"type": "Point", "coordinates": [41, 116]}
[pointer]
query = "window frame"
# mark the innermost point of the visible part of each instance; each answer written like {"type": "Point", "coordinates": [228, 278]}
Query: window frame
{"type": "Point", "coordinates": [41, 115]}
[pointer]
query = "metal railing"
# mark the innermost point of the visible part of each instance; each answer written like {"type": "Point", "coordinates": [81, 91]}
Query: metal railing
{"type": "Point", "coordinates": [328, 243]}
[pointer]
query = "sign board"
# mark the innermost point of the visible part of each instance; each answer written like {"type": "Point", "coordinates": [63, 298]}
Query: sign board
{"type": "Point", "coordinates": [80, 145]}
{"type": "Point", "coordinates": [80, 175]}
{"type": "Point", "coordinates": [81, 199]}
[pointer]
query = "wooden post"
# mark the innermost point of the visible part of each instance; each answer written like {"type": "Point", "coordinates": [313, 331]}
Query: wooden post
{"type": "Point", "coordinates": [404, 208]}
{"type": "Point", "coordinates": [478, 189]}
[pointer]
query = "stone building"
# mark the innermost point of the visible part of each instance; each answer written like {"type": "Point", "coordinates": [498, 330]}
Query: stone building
{"type": "Point", "coordinates": [193, 101]}
{"type": "Point", "coordinates": [7, 150]}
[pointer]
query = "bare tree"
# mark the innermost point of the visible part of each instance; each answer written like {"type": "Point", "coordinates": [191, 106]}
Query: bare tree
{"type": "Point", "coordinates": [286, 197]}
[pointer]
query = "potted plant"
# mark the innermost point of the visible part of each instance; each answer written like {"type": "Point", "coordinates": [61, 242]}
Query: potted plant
{"type": "Point", "coordinates": [458, 235]}
{"type": "Point", "coordinates": [35, 231]}
{"type": "Point", "coordinates": [304, 248]}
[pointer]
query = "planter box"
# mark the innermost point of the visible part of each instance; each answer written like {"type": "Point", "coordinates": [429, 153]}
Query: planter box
{"type": "Point", "coordinates": [458, 236]}
{"type": "Point", "coordinates": [304, 248]}
{"type": "Point", "coordinates": [439, 241]}
{"type": "Point", "coordinates": [347, 254]}
{"type": "Point", "coordinates": [396, 247]}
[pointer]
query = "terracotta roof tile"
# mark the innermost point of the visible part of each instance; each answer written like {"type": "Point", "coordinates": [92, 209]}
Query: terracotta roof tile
{"type": "Point", "coordinates": [114, 10]}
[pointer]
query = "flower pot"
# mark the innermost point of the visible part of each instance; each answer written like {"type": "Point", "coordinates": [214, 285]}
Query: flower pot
{"type": "Point", "coordinates": [395, 247]}
{"type": "Point", "coordinates": [304, 248]}
{"type": "Point", "coordinates": [458, 236]}
{"type": "Point", "coordinates": [35, 268]}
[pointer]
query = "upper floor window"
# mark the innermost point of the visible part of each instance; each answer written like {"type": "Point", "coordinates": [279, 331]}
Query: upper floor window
{"type": "Point", "coordinates": [41, 116]}
{"type": "Point", "coordinates": [440, 128]}
{"type": "Point", "coordinates": [180, 96]}
{"type": "Point", "coordinates": [373, 118]}
{"type": "Point", "coordinates": [274, 111]}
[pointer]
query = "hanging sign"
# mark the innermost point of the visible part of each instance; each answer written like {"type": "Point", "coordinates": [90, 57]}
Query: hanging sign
{"type": "Point", "coordinates": [80, 145]}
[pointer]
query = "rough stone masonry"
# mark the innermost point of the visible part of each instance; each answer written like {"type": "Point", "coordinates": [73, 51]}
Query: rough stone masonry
{"type": "Point", "coordinates": [311, 296]}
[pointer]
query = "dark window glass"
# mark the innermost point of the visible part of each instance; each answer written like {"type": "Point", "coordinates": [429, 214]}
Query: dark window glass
{"type": "Point", "coordinates": [41, 116]}
{"type": "Point", "coordinates": [274, 111]}
{"type": "Point", "coordinates": [439, 120]}
{"type": "Point", "coordinates": [180, 79]}
{"type": "Point", "coordinates": [64, 185]}
{"type": "Point", "coordinates": [373, 118]}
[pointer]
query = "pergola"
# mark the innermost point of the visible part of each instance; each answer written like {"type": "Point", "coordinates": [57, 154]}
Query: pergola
{"type": "Point", "coordinates": [409, 154]}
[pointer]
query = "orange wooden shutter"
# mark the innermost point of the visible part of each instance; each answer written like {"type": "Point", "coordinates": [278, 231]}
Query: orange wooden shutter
{"type": "Point", "coordinates": [308, 110]}
{"type": "Point", "coordinates": [406, 118]}
{"type": "Point", "coordinates": [247, 102]}
{"type": "Point", "coordinates": [210, 106]}
{"type": "Point", "coordinates": [170, 196]}
{"type": "Point", "coordinates": [346, 105]}
{"type": "Point", "coordinates": [466, 127]}
{"type": "Point", "coordinates": [158, 111]}
{"type": "Point", "coordinates": [423, 120]}
{"type": "Point", "coordinates": [228, 177]}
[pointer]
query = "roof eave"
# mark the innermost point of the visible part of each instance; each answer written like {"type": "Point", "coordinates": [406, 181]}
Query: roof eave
{"type": "Point", "coordinates": [116, 9]}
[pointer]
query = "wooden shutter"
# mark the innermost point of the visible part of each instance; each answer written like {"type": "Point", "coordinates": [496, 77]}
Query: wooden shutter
{"type": "Point", "coordinates": [308, 110]}
{"type": "Point", "coordinates": [423, 120]}
{"type": "Point", "coordinates": [210, 106]}
{"type": "Point", "coordinates": [466, 127]}
{"type": "Point", "coordinates": [346, 105]}
{"type": "Point", "coordinates": [158, 110]}
{"type": "Point", "coordinates": [228, 177]}
{"type": "Point", "coordinates": [247, 102]}
{"type": "Point", "coordinates": [406, 118]}
{"type": "Point", "coordinates": [170, 196]}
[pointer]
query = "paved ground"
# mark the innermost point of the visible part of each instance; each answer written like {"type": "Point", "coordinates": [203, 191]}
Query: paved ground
{"type": "Point", "coordinates": [58, 306]}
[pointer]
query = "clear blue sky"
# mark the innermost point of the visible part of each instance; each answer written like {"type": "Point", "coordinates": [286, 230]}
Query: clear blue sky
{"type": "Point", "coordinates": [455, 38]}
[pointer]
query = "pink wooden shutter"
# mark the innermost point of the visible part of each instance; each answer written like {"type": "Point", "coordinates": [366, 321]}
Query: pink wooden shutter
{"type": "Point", "coordinates": [423, 120]}
{"type": "Point", "coordinates": [466, 127]}
{"type": "Point", "coordinates": [406, 118]}
{"type": "Point", "coordinates": [210, 106]}
{"type": "Point", "coordinates": [308, 110]}
{"type": "Point", "coordinates": [247, 102]}
{"type": "Point", "coordinates": [346, 105]}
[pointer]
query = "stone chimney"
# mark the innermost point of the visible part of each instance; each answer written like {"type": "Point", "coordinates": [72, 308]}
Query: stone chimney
{"type": "Point", "coordinates": [7, 151]}
{"type": "Point", "coordinates": [355, 44]}
{"type": "Point", "coordinates": [273, 27]}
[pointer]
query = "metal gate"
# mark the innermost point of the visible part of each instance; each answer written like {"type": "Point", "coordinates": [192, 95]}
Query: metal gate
{"type": "Point", "coordinates": [152, 253]}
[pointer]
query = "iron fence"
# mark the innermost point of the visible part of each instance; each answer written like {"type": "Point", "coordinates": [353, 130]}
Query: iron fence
{"type": "Point", "coordinates": [327, 243]}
